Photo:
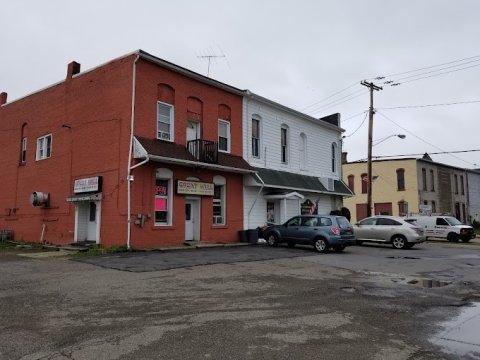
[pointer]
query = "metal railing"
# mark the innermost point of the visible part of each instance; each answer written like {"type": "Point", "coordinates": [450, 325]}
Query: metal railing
{"type": "Point", "coordinates": [203, 150]}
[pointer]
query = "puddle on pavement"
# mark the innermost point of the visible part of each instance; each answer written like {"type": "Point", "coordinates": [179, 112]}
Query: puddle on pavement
{"type": "Point", "coordinates": [403, 257]}
{"type": "Point", "coordinates": [428, 283]}
{"type": "Point", "coordinates": [460, 335]}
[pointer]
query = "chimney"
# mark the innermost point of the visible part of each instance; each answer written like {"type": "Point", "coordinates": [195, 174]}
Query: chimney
{"type": "Point", "coordinates": [73, 69]}
{"type": "Point", "coordinates": [344, 158]}
{"type": "Point", "coordinates": [3, 98]}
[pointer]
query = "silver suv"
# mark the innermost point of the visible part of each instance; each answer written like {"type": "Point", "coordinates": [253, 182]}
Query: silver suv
{"type": "Point", "coordinates": [390, 230]}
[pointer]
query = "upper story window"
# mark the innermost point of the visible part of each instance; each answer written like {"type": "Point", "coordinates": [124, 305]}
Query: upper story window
{"type": "Point", "coordinates": [334, 158]}
{"type": "Point", "coordinates": [44, 147]}
{"type": "Point", "coordinates": [432, 181]}
{"type": "Point", "coordinates": [455, 180]}
{"type": "Point", "coordinates": [303, 151]}
{"type": "Point", "coordinates": [23, 152]}
{"type": "Point", "coordinates": [364, 178]}
{"type": "Point", "coordinates": [255, 137]}
{"type": "Point", "coordinates": [284, 144]}
{"type": "Point", "coordinates": [165, 121]}
{"type": "Point", "coordinates": [424, 179]}
{"type": "Point", "coordinates": [400, 179]}
{"type": "Point", "coordinates": [351, 182]}
{"type": "Point", "coordinates": [223, 136]}
{"type": "Point", "coordinates": [462, 186]}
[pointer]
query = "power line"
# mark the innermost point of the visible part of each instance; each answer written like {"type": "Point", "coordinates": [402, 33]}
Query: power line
{"type": "Point", "coordinates": [425, 68]}
{"type": "Point", "coordinates": [429, 105]}
{"type": "Point", "coordinates": [329, 97]}
{"type": "Point", "coordinates": [365, 118]}
{"type": "Point", "coordinates": [423, 140]}
{"type": "Point", "coordinates": [339, 101]}
{"type": "Point", "coordinates": [430, 153]}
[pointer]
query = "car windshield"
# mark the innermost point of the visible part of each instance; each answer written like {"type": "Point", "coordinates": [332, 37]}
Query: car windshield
{"type": "Point", "coordinates": [343, 222]}
{"type": "Point", "coordinates": [453, 221]}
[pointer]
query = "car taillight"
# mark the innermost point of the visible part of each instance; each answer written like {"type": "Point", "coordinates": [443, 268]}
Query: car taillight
{"type": "Point", "coordinates": [335, 230]}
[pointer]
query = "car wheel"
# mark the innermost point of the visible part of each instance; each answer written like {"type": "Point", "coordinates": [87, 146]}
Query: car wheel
{"type": "Point", "coordinates": [320, 245]}
{"type": "Point", "coordinates": [291, 244]}
{"type": "Point", "coordinates": [272, 239]}
{"type": "Point", "coordinates": [399, 242]}
{"type": "Point", "coordinates": [339, 248]}
{"type": "Point", "coordinates": [359, 242]}
{"type": "Point", "coordinates": [465, 240]}
{"type": "Point", "coordinates": [452, 237]}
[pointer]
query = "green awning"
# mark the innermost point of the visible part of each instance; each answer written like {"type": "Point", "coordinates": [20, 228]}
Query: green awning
{"type": "Point", "coordinates": [297, 182]}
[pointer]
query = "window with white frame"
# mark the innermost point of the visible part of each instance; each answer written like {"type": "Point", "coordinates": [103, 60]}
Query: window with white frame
{"type": "Point", "coordinates": [334, 157]}
{"type": "Point", "coordinates": [44, 147]}
{"type": "Point", "coordinates": [23, 153]}
{"type": "Point", "coordinates": [223, 136]}
{"type": "Point", "coordinates": [255, 137]}
{"type": "Point", "coordinates": [284, 144]}
{"type": "Point", "coordinates": [219, 200]}
{"type": "Point", "coordinates": [165, 121]}
{"type": "Point", "coordinates": [163, 197]}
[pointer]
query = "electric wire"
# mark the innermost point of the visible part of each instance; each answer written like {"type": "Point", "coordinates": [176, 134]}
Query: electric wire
{"type": "Point", "coordinates": [423, 140]}
{"type": "Point", "coordinates": [329, 97]}
{"type": "Point", "coordinates": [361, 124]}
{"type": "Point", "coordinates": [429, 105]}
{"type": "Point", "coordinates": [338, 102]}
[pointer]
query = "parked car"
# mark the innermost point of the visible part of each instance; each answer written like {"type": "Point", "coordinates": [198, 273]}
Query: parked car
{"type": "Point", "coordinates": [389, 230]}
{"type": "Point", "coordinates": [321, 231]}
{"type": "Point", "coordinates": [445, 227]}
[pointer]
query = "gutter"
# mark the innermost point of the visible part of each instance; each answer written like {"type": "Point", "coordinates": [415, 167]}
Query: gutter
{"type": "Point", "coordinates": [130, 149]}
{"type": "Point", "coordinates": [256, 198]}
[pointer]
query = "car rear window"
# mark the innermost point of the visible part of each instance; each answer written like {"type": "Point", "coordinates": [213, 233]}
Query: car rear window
{"type": "Point", "coordinates": [343, 223]}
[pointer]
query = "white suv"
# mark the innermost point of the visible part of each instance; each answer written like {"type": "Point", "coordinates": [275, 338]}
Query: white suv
{"type": "Point", "coordinates": [445, 227]}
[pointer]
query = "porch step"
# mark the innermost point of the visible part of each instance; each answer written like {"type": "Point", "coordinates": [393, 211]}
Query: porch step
{"type": "Point", "coordinates": [82, 245]}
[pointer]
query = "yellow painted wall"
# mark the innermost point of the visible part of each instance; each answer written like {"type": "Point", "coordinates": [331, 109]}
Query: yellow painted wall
{"type": "Point", "coordinates": [384, 188]}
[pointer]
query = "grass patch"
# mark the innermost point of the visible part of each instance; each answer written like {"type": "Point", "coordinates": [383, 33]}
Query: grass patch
{"type": "Point", "coordinates": [96, 250]}
{"type": "Point", "coordinates": [7, 245]}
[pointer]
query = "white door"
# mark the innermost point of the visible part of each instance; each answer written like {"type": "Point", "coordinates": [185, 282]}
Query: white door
{"type": "Point", "coordinates": [193, 133]}
{"type": "Point", "coordinates": [192, 220]}
{"type": "Point", "coordinates": [87, 221]}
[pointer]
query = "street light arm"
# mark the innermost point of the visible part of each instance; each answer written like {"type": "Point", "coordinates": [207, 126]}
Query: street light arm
{"type": "Point", "coordinates": [378, 141]}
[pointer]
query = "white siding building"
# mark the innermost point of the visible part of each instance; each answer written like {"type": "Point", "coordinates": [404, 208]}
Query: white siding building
{"type": "Point", "coordinates": [297, 159]}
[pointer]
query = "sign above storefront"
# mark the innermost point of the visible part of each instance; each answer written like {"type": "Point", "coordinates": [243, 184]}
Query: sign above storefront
{"type": "Point", "coordinates": [92, 184]}
{"type": "Point", "coordinates": [194, 188]}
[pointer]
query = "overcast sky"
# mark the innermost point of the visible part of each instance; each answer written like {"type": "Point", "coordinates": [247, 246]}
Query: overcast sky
{"type": "Point", "coordinates": [308, 55]}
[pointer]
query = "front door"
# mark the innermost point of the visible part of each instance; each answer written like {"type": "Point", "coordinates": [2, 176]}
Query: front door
{"type": "Point", "coordinates": [87, 221]}
{"type": "Point", "coordinates": [192, 220]}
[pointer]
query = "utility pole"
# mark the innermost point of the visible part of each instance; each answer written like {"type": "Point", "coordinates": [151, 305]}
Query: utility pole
{"type": "Point", "coordinates": [372, 87]}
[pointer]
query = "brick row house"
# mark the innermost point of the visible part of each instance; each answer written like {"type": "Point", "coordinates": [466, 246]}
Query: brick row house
{"type": "Point", "coordinates": [144, 153]}
{"type": "Point", "coordinates": [408, 186]}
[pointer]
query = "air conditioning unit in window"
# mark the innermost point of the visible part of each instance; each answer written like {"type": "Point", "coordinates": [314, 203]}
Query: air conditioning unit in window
{"type": "Point", "coordinates": [163, 135]}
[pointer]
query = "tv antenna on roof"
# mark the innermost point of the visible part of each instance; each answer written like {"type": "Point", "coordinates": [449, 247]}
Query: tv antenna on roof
{"type": "Point", "coordinates": [210, 57]}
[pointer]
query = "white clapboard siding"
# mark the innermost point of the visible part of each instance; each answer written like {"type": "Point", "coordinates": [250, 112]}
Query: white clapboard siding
{"type": "Point", "coordinates": [319, 141]}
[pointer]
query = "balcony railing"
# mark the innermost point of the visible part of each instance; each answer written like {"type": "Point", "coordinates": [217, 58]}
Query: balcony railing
{"type": "Point", "coordinates": [203, 150]}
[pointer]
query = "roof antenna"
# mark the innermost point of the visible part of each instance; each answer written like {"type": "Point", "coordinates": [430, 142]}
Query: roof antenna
{"type": "Point", "coordinates": [210, 57]}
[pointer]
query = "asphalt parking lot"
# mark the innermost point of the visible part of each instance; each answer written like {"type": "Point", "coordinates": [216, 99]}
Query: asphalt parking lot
{"type": "Point", "coordinates": [248, 302]}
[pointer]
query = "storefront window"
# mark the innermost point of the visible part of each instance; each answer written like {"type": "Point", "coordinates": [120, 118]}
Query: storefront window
{"type": "Point", "coordinates": [219, 200]}
{"type": "Point", "coordinates": [163, 197]}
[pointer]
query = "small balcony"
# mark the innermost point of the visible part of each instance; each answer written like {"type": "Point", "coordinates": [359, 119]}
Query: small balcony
{"type": "Point", "coordinates": [203, 150]}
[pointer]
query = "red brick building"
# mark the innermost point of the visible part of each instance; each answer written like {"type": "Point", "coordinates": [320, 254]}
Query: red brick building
{"type": "Point", "coordinates": [137, 151]}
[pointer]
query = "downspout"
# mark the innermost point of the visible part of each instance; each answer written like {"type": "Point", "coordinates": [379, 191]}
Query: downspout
{"type": "Point", "coordinates": [130, 149]}
{"type": "Point", "coordinates": [256, 198]}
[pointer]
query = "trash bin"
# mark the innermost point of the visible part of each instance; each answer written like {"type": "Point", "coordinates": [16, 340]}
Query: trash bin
{"type": "Point", "coordinates": [243, 236]}
{"type": "Point", "coordinates": [252, 236]}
